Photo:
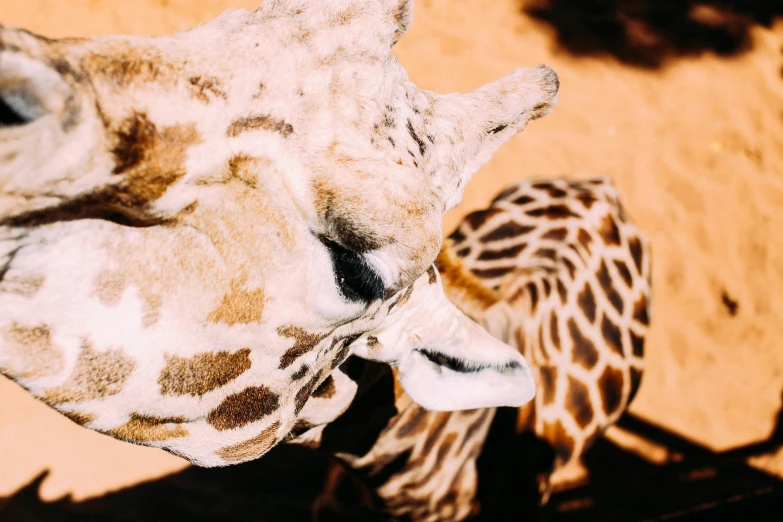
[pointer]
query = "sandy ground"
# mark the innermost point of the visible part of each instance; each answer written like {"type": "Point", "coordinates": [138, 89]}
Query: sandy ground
{"type": "Point", "coordinates": [696, 149]}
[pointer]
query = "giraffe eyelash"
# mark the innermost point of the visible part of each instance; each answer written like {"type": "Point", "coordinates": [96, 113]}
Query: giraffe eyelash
{"type": "Point", "coordinates": [463, 366]}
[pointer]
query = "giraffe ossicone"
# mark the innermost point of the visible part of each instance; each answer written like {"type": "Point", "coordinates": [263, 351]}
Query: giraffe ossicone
{"type": "Point", "coordinates": [195, 227]}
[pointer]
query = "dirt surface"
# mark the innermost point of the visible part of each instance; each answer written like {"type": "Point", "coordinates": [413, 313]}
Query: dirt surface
{"type": "Point", "coordinates": [690, 126]}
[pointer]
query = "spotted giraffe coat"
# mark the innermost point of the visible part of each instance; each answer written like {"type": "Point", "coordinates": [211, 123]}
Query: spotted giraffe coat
{"type": "Point", "coordinates": [558, 270]}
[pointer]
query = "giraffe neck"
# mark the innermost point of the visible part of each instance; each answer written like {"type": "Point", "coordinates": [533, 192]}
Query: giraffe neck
{"type": "Point", "coordinates": [571, 274]}
{"type": "Point", "coordinates": [557, 270]}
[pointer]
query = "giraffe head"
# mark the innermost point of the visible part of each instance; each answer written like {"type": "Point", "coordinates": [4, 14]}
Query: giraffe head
{"type": "Point", "coordinates": [193, 228]}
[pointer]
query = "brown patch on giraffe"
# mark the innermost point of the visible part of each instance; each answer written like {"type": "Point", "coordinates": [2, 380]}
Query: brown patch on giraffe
{"type": "Point", "coordinates": [96, 375]}
{"type": "Point", "coordinates": [326, 389]}
{"type": "Point", "coordinates": [399, 391]}
{"type": "Point", "coordinates": [586, 199]}
{"type": "Point", "coordinates": [524, 200]}
{"type": "Point", "coordinates": [547, 287]}
{"type": "Point", "coordinates": [202, 373]}
{"type": "Point", "coordinates": [635, 246]}
{"type": "Point", "coordinates": [562, 291]}
{"type": "Point", "coordinates": [506, 253]}
{"type": "Point", "coordinates": [25, 286]}
{"type": "Point", "coordinates": [546, 253]}
{"type": "Point", "coordinates": [585, 239]}
{"type": "Point", "coordinates": [464, 252]}
{"type": "Point", "coordinates": [342, 353]}
{"type": "Point", "coordinates": [612, 335]}
{"type": "Point", "coordinates": [415, 423]}
{"type": "Point", "coordinates": [445, 446]}
{"type": "Point", "coordinates": [457, 236]}
{"type": "Point", "coordinates": [586, 301]}
{"type": "Point", "coordinates": [625, 274]}
{"type": "Point", "coordinates": [557, 436]}
{"type": "Point", "coordinates": [607, 286]}
{"type": "Point", "coordinates": [432, 272]}
{"type": "Point", "coordinates": [475, 426]}
{"type": "Point", "coordinates": [447, 505]}
{"type": "Point", "coordinates": [636, 381]}
{"type": "Point", "coordinates": [30, 352]}
{"type": "Point", "coordinates": [505, 231]}
{"type": "Point", "coordinates": [304, 342]}
{"type": "Point", "coordinates": [240, 167]}
{"type": "Point", "coordinates": [553, 212]}
{"type": "Point", "coordinates": [251, 448]}
{"type": "Point", "coordinates": [204, 86]}
{"type": "Point", "coordinates": [151, 160]}
{"type": "Point", "coordinates": [240, 305]}
{"type": "Point", "coordinates": [569, 266]}
{"type": "Point", "coordinates": [372, 341]}
{"type": "Point", "coordinates": [80, 418]}
{"type": "Point", "coordinates": [556, 234]}
{"type": "Point", "coordinates": [436, 428]}
{"type": "Point", "coordinates": [550, 189]}
{"type": "Point", "coordinates": [304, 393]}
{"type": "Point", "coordinates": [384, 467]}
{"type": "Point", "coordinates": [239, 409]}
{"type": "Point", "coordinates": [147, 161]}
{"type": "Point", "coordinates": [526, 418]}
{"type": "Point", "coordinates": [609, 231]}
{"type": "Point", "coordinates": [577, 402]}
{"type": "Point", "coordinates": [403, 298]}
{"type": "Point", "coordinates": [640, 311]}
{"type": "Point", "coordinates": [492, 273]}
{"type": "Point", "coordinates": [506, 193]}
{"type": "Point", "coordinates": [130, 66]}
{"type": "Point", "coordinates": [300, 373]}
{"type": "Point", "coordinates": [554, 331]}
{"type": "Point", "coordinates": [144, 428]}
{"type": "Point", "coordinates": [610, 384]}
{"type": "Point", "coordinates": [637, 345]}
{"type": "Point", "coordinates": [461, 285]}
{"type": "Point", "coordinates": [584, 351]}
{"type": "Point", "coordinates": [548, 382]}
{"type": "Point", "coordinates": [477, 219]}
{"type": "Point", "coordinates": [259, 122]}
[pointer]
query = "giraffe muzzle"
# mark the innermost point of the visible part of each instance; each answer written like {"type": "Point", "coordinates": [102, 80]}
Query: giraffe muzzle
{"type": "Point", "coordinates": [446, 361]}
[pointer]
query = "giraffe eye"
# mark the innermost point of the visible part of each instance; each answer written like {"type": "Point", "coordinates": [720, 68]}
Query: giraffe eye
{"type": "Point", "coordinates": [355, 278]}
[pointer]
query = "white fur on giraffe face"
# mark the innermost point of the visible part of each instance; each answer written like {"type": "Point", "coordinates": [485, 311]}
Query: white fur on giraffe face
{"type": "Point", "coordinates": [446, 361]}
{"type": "Point", "coordinates": [167, 199]}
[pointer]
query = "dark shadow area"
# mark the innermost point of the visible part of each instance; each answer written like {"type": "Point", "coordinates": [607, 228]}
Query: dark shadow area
{"type": "Point", "coordinates": [648, 33]}
{"type": "Point", "coordinates": [701, 486]}
{"type": "Point", "coordinates": [278, 487]}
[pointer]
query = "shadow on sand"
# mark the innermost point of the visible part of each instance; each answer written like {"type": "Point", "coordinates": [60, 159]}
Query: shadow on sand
{"type": "Point", "coordinates": [701, 485]}
{"type": "Point", "coordinates": [649, 33]}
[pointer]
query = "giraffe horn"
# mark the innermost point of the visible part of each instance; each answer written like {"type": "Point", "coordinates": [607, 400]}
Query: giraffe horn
{"type": "Point", "coordinates": [473, 126]}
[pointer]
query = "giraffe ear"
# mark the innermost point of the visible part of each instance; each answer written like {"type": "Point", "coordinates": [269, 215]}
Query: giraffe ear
{"type": "Point", "coordinates": [402, 10]}
{"type": "Point", "coordinates": [445, 361]}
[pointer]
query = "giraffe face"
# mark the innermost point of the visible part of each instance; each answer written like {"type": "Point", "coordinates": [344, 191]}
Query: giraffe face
{"type": "Point", "coordinates": [197, 226]}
